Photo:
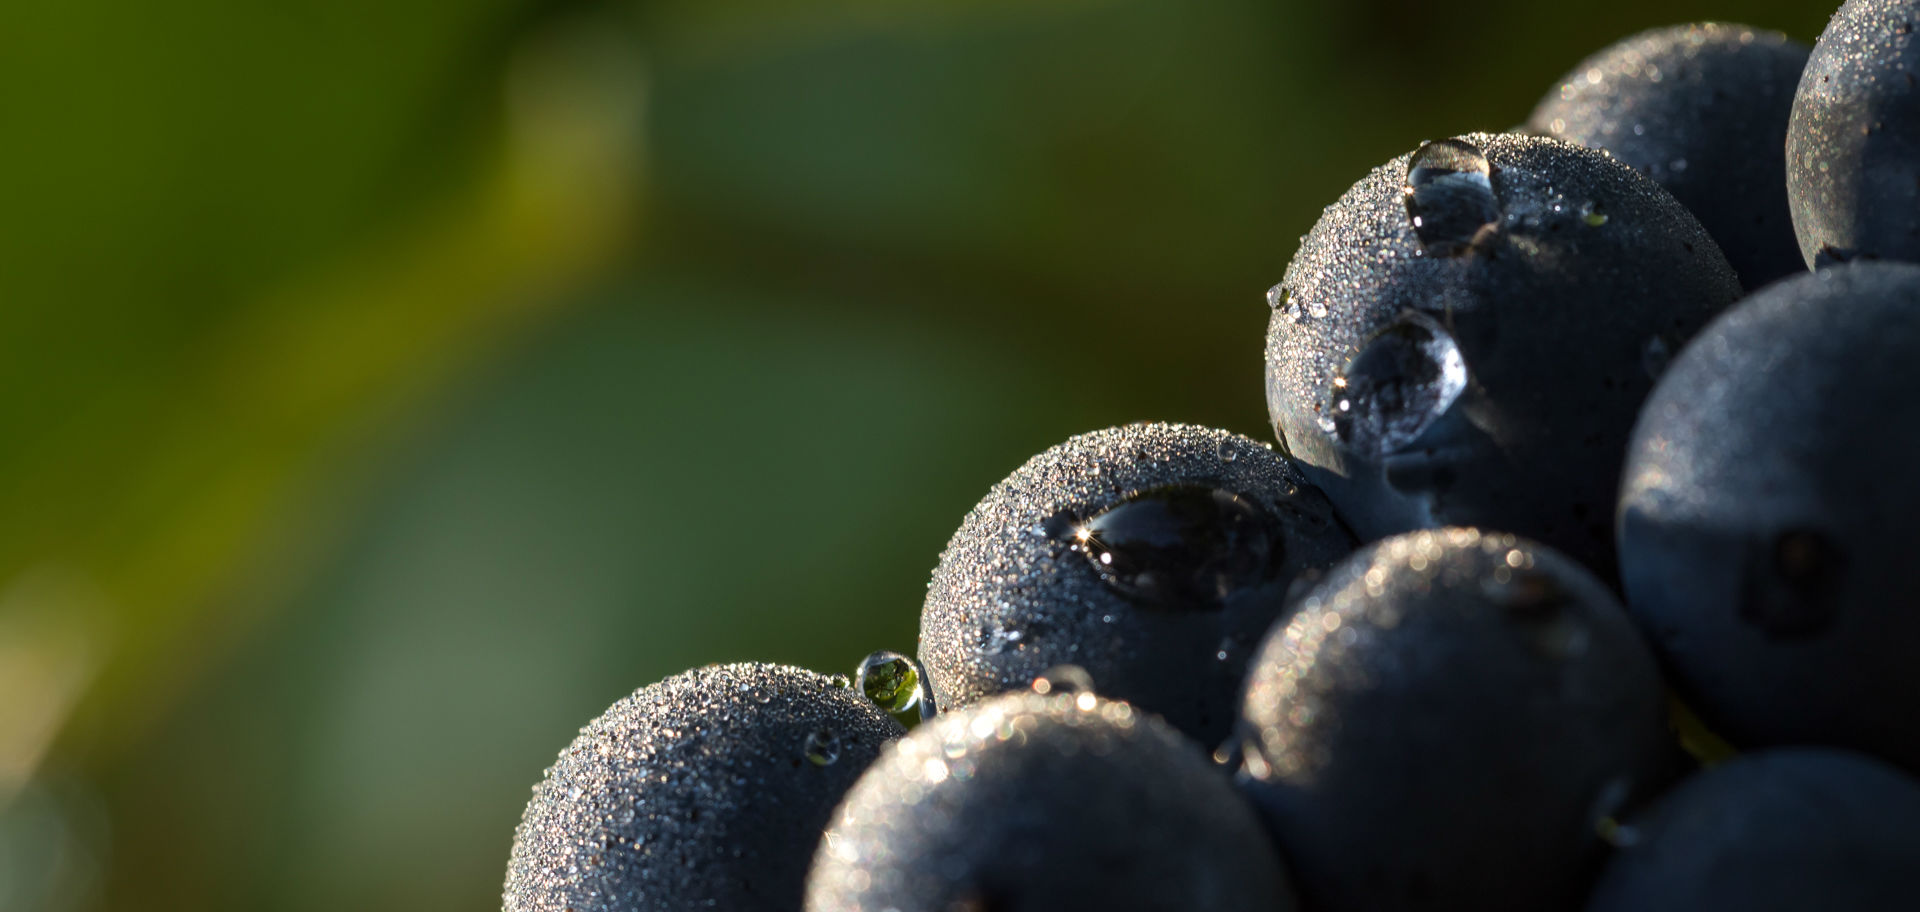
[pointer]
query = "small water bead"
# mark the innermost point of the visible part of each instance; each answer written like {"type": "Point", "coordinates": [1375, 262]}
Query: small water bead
{"type": "Point", "coordinates": [1183, 547]}
{"type": "Point", "coordinates": [1228, 450]}
{"type": "Point", "coordinates": [1278, 297]}
{"type": "Point", "coordinates": [1449, 196]}
{"type": "Point", "coordinates": [1402, 380]}
{"type": "Point", "coordinates": [1063, 679]}
{"type": "Point", "coordinates": [1590, 214]}
{"type": "Point", "coordinates": [822, 747]}
{"type": "Point", "coordinates": [895, 683]}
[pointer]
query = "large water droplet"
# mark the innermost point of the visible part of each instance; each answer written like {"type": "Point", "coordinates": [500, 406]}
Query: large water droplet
{"type": "Point", "coordinates": [1063, 679]}
{"type": "Point", "coordinates": [1450, 196]}
{"type": "Point", "coordinates": [822, 747]}
{"type": "Point", "coordinates": [1790, 586]}
{"type": "Point", "coordinates": [1183, 547]}
{"type": "Point", "coordinates": [895, 683]}
{"type": "Point", "coordinates": [1402, 380]}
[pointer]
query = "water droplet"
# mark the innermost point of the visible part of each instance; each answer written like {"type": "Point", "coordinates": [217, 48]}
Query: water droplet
{"type": "Point", "coordinates": [840, 681]}
{"type": "Point", "coordinates": [1590, 213]}
{"type": "Point", "coordinates": [1229, 451]}
{"type": "Point", "coordinates": [1790, 585]}
{"type": "Point", "coordinates": [1183, 547]}
{"type": "Point", "coordinates": [1063, 679]}
{"type": "Point", "coordinates": [895, 683]}
{"type": "Point", "coordinates": [1655, 357]}
{"type": "Point", "coordinates": [1402, 380]}
{"type": "Point", "coordinates": [1278, 297]}
{"type": "Point", "coordinates": [822, 747]}
{"type": "Point", "coordinates": [1449, 195]}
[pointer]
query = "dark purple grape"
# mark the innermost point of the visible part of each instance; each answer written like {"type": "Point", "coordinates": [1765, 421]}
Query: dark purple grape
{"type": "Point", "coordinates": [1777, 831]}
{"type": "Point", "coordinates": [1853, 145]}
{"type": "Point", "coordinates": [1152, 555]}
{"type": "Point", "coordinates": [1045, 803]}
{"type": "Point", "coordinates": [1767, 517]}
{"type": "Point", "coordinates": [1466, 335]}
{"type": "Point", "coordinates": [706, 790]}
{"type": "Point", "coordinates": [1443, 722]}
{"type": "Point", "coordinates": [1702, 109]}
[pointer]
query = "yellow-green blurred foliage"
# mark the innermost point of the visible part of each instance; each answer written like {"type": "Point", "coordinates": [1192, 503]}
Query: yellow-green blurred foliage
{"type": "Point", "coordinates": [385, 388]}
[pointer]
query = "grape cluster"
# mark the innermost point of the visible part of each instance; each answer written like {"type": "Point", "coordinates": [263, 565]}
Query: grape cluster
{"type": "Point", "coordinates": [1576, 578]}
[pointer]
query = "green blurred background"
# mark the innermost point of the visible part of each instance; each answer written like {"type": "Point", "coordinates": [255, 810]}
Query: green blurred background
{"type": "Point", "coordinates": [389, 387]}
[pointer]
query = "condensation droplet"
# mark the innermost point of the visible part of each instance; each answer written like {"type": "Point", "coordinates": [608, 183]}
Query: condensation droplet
{"type": "Point", "coordinates": [1590, 214]}
{"type": "Point", "coordinates": [895, 682]}
{"type": "Point", "coordinates": [822, 747]}
{"type": "Point", "coordinates": [1183, 547]}
{"type": "Point", "coordinates": [1449, 196]}
{"type": "Point", "coordinates": [1278, 297]}
{"type": "Point", "coordinates": [1400, 382]}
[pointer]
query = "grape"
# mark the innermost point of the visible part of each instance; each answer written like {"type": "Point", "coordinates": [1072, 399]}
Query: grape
{"type": "Point", "coordinates": [1465, 337]}
{"type": "Point", "coordinates": [1152, 555]}
{"type": "Point", "coordinates": [1767, 516]}
{"type": "Point", "coordinates": [1779, 830]}
{"type": "Point", "coordinates": [707, 789]}
{"type": "Point", "coordinates": [1444, 720]}
{"type": "Point", "coordinates": [1702, 109]}
{"type": "Point", "coordinates": [1853, 146]}
{"type": "Point", "coordinates": [1030, 802]}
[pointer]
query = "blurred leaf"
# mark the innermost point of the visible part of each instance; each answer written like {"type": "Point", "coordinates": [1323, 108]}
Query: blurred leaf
{"type": "Point", "coordinates": [689, 474]}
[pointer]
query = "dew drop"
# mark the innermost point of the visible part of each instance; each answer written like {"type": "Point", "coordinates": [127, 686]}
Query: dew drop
{"type": "Point", "coordinates": [1449, 196]}
{"type": "Point", "coordinates": [1064, 679]}
{"type": "Point", "coordinates": [1278, 297]}
{"type": "Point", "coordinates": [822, 747]}
{"type": "Point", "coordinates": [1183, 547]}
{"type": "Point", "coordinates": [1229, 451]}
{"type": "Point", "coordinates": [1590, 214]}
{"type": "Point", "coordinates": [1402, 380]}
{"type": "Point", "coordinates": [895, 683]}
{"type": "Point", "coordinates": [841, 681]}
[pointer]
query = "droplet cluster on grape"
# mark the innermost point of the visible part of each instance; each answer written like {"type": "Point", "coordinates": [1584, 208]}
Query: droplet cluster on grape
{"type": "Point", "coordinates": [1576, 575]}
